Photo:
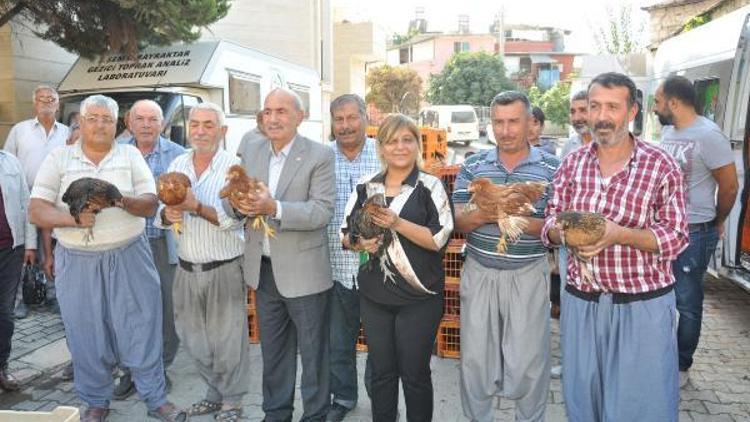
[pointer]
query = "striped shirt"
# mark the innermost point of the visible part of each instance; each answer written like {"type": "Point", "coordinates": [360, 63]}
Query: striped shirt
{"type": "Point", "coordinates": [158, 159]}
{"type": "Point", "coordinates": [345, 263]}
{"type": "Point", "coordinates": [123, 166]}
{"type": "Point", "coordinates": [30, 143]}
{"type": "Point", "coordinates": [481, 243]}
{"type": "Point", "coordinates": [202, 242]}
{"type": "Point", "coordinates": [647, 194]}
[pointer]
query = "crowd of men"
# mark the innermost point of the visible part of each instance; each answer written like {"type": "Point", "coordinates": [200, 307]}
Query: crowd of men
{"type": "Point", "coordinates": [135, 292]}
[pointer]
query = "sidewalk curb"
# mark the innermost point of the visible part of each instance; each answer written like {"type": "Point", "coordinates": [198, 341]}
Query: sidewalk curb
{"type": "Point", "coordinates": [43, 361]}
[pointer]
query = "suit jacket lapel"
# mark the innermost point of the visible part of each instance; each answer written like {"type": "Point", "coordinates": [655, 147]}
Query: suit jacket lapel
{"type": "Point", "coordinates": [292, 163]}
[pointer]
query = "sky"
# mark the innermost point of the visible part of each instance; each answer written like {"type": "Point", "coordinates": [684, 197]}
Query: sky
{"type": "Point", "coordinates": [579, 16]}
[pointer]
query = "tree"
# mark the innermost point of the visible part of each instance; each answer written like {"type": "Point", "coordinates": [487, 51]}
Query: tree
{"type": "Point", "coordinates": [469, 78]}
{"type": "Point", "coordinates": [89, 28]}
{"type": "Point", "coordinates": [394, 89]}
{"type": "Point", "coordinates": [555, 102]}
{"type": "Point", "coordinates": [620, 34]}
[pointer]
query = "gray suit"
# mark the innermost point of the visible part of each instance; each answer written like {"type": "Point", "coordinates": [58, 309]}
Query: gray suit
{"type": "Point", "coordinates": [294, 285]}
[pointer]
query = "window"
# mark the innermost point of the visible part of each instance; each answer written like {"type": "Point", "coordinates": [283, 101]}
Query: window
{"type": "Point", "coordinates": [463, 117]}
{"type": "Point", "coordinates": [304, 95]}
{"type": "Point", "coordinates": [244, 93]}
{"type": "Point", "coordinates": [429, 118]}
{"type": "Point", "coordinates": [404, 55]}
{"type": "Point", "coordinates": [459, 47]}
{"type": "Point", "coordinates": [708, 97]}
{"type": "Point", "coordinates": [175, 129]}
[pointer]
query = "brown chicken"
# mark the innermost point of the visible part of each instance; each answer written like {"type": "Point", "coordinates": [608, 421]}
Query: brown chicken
{"type": "Point", "coordinates": [172, 190]}
{"type": "Point", "coordinates": [89, 195]}
{"type": "Point", "coordinates": [238, 186]}
{"type": "Point", "coordinates": [506, 203]}
{"type": "Point", "coordinates": [581, 229]}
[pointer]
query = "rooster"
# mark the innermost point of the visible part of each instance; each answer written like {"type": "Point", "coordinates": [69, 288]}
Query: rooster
{"type": "Point", "coordinates": [361, 224]}
{"type": "Point", "coordinates": [172, 189]}
{"type": "Point", "coordinates": [89, 195]}
{"type": "Point", "coordinates": [238, 186]}
{"type": "Point", "coordinates": [506, 203]}
{"type": "Point", "coordinates": [581, 229]}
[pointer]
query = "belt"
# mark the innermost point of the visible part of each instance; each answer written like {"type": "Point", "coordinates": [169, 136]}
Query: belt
{"type": "Point", "coordinates": [264, 259]}
{"type": "Point", "coordinates": [197, 268]}
{"type": "Point", "coordinates": [699, 227]}
{"type": "Point", "coordinates": [618, 298]}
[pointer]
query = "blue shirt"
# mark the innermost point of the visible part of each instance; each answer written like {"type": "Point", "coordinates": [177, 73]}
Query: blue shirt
{"type": "Point", "coordinates": [344, 263]}
{"type": "Point", "coordinates": [481, 243]}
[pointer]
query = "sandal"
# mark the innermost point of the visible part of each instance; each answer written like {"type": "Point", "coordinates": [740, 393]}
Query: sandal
{"type": "Point", "coordinates": [229, 415]}
{"type": "Point", "coordinates": [204, 407]}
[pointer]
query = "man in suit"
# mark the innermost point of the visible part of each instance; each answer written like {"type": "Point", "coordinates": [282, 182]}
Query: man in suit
{"type": "Point", "coordinates": [291, 269]}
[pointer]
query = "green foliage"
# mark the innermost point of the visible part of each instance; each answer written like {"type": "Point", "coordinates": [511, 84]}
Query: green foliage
{"type": "Point", "coordinates": [469, 78]}
{"type": "Point", "coordinates": [399, 39]}
{"type": "Point", "coordinates": [89, 28]}
{"type": "Point", "coordinates": [620, 34]}
{"type": "Point", "coordinates": [697, 21]}
{"type": "Point", "coordinates": [394, 89]}
{"type": "Point", "coordinates": [555, 102]}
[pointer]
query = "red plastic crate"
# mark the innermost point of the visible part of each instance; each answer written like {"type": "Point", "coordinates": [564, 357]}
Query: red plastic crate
{"type": "Point", "coordinates": [361, 339]}
{"type": "Point", "coordinates": [448, 175]}
{"type": "Point", "coordinates": [252, 327]}
{"type": "Point", "coordinates": [449, 339]}
{"type": "Point", "coordinates": [451, 302]}
{"type": "Point", "coordinates": [453, 261]}
{"type": "Point", "coordinates": [251, 303]}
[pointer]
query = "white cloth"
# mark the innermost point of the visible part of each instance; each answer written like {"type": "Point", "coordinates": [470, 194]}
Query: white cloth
{"type": "Point", "coordinates": [275, 166]}
{"type": "Point", "coordinates": [201, 241]}
{"type": "Point", "coordinates": [123, 166]}
{"type": "Point", "coordinates": [30, 143]}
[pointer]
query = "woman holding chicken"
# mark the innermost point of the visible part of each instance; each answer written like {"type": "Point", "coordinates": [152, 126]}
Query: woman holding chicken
{"type": "Point", "coordinates": [401, 280]}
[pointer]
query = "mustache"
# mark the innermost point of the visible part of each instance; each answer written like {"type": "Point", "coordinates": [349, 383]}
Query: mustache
{"type": "Point", "coordinates": [604, 125]}
{"type": "Point", "coordinates": [346, 132]}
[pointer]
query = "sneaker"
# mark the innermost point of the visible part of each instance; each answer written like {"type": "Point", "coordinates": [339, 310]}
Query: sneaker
{"type": "Point", "coordinates": [22, 311]}
{"type": "Point", "coordinates": [125, 388]}
{"type": "Point", "coordinates": [683, 378]}
{"type": "Point", "coordinates": [336, 413]}
{"type": "Point", "coordinates": [556, 372]}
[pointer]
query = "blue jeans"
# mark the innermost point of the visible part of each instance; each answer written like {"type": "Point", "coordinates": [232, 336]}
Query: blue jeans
{"type": "Point", "coordinates": [343, 336]}
{"type": "Point", "coordinates": [689, 269]}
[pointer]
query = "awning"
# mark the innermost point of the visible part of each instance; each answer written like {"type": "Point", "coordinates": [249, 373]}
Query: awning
{"type": "Point", "coordinates": [541, 59]}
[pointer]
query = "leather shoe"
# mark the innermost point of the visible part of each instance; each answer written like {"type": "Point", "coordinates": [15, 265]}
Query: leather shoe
{"type": "Point", "coordinates": [125, 388]}
{"type": "Point", "coordinates": [168, 412]}
{"type": "Point", "coordinates": [95, 414]}
{"type": "Point", "coordinates": [7, 381]}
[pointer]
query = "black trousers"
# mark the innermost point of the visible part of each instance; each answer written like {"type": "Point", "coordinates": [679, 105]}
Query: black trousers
{"type": "Point", "coordinates": [284, 324]}
{"type": "Point", "coordinates": [400, 341]}
{"type": "Point", "coordinates": [11, 263]}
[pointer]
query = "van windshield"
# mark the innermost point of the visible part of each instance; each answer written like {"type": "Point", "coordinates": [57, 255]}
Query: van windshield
{"type": "Point", "coordinates": [463, 117]}
{"type": "Point", "coordinates": [71, 104]}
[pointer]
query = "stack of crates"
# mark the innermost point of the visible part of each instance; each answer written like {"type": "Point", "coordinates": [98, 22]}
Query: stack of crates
{"type": "Point", "coordinates": [449, 331]}
{"type": "Point", "coordinates": [252, 318]}
{"type": "Point", "coordinates": [434, 146]}
{"type": "Point", "coordinates": [361, 339]}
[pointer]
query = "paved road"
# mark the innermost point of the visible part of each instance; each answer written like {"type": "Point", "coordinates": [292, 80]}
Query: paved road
{"type": "Point", "coordinates": [719, 389]}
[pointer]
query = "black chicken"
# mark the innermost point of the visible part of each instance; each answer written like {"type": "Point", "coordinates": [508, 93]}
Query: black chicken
{"type": "Point", "coordinates": [90, 195]}
{"type": "Point", "coordinates": [362, 226]}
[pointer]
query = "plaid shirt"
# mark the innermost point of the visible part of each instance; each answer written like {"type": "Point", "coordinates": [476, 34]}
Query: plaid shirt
{"type": "Point", "coordinates": [345, 264]}
{"type": "Point", "coordinates": [647, 194]}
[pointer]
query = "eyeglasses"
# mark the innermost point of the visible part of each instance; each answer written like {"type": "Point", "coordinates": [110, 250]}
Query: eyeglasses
{"type": "Point", "coordinates": [46, 99]}
{"type": "Point", "coordinates": [98, 119]}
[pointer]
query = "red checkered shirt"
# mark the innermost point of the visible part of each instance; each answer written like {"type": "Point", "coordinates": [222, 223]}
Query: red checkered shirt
{"type": "Point", "coordinates": [647, 194]}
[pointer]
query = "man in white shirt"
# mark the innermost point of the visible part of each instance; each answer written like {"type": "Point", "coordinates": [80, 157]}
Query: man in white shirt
{"type": "Point", "coordinates": [109, 293]}
{"type": "Point", "coordinates": [30, 141]}
{"type": "Point", "coordinates": [210, 297]}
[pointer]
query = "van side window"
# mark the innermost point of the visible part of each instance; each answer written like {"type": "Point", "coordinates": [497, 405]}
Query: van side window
{"type": "Point", "coordinates": [176, 130]}
{"type": "Point", "coordinates": [708, 97]}
{"type": "Point", "coordinates": [304, 94]}
{"type": "Point", "coordinates": [244, 93]}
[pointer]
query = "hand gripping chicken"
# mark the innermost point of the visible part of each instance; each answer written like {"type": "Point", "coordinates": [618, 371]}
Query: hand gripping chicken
{"type": "Point", "coordinates": [238, 186]}
{"type": "Point", "coordinates": [172, 190]}
{"type": "Point", "coordinates": [581, 229]}
{"type": "Point", "coordinates": [89, 195]}
{"type": "Point", "coordinates": [507, 203]}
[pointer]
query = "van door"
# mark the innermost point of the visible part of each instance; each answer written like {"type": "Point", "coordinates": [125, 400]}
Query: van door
{"type": "Point", "coordinates": [463, 126]}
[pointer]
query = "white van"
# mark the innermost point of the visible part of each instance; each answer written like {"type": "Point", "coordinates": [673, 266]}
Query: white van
{"type": "Point", "coordinates": [180, 76]}
{"type": "Point", "coordinates": [459, 121]}
{"type": "Point", "coordinates": [715, 57]}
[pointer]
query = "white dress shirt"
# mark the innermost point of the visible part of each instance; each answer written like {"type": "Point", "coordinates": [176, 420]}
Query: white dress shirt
{"type": "Point", "coordinates": [30, 143]}
{"type": "Point", "coordinates": [275, 166]}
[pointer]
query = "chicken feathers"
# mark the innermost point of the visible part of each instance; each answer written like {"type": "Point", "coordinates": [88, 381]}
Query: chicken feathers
{"type": "Point", "coordinates": [90, 195]}
{"type": "Point", "coordinates": [361, 224]}
{"type": "Point", "coordinates": [238, 186]}
{"type": "Point", "coordinates": [172, 189]}
{"type": "Point", "coordinates": [581, 229]}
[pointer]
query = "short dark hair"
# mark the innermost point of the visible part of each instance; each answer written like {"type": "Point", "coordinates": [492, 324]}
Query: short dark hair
{"type": "Point", "coordinates": [538, 114]}
{"type": "Point", "coordinates": [681, 88]}
{"type": "Point", "coordinates": [614, 79]}
{"type": "Point", "coordinates": [510, 97]}
{"type": "Point", "coordinates": [580, 95]}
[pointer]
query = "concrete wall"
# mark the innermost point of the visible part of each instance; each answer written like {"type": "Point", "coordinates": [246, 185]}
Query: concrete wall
{"type": "Point", "coordinates": [358, 46]}
{"type": "Point", "coordinates": [665, 22]}
{"type": "Point", "coordinates": [26, 61]}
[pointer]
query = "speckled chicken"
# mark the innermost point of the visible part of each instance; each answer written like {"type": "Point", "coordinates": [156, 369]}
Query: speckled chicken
{"type": "Point", "coordinates": [172, 189]}
{"type": "Point", "coordinates": [90, 195]}
{"type": "Point", "coordinates": [238, 186]}
{"type": "Point", "coordinates": [360, 224]}
{"type": "Point", "coordinates": [507, 203]}
{"type": "Point", "coordinates": [581, 229]}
